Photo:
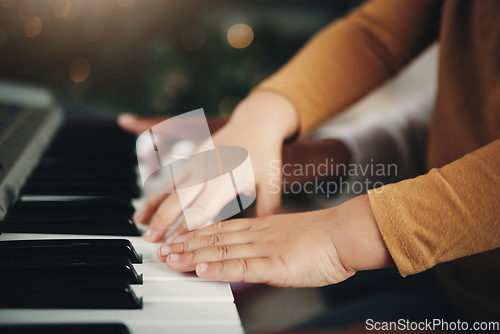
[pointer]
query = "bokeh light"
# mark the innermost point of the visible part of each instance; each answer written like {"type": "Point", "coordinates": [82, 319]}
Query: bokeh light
{"type": "Point", "coordinates": [175, 84]}
{"type": "Point", "coordinates": [175, 55]}
{"type": "Point", "coordinates": [61, 9]}
{"type": "Point", "coordinates": [126, 3]}
{"type": "Point", "coordinates": [193, 38]}
{"type": "Point", "coordinates": [227, 105]}
{"type": "Point", "coordinates": [79, 70]}
{"type": "Point", "coordinates": [240, 35]}
{"type": "Point", "coordinates": [92, 30]}
{"type": "Point", "coordinates": [33, 26]}
{"type": "Point", "coordinates": [26, 9]}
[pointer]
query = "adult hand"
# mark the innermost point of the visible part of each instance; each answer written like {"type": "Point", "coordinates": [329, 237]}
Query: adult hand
{"type": "Point", "coordinates": [295, 250]}
{"type": "Point", "coordinates": [260, 124]}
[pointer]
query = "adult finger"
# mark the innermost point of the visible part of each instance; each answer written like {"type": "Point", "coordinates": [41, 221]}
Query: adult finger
{"type": "Point", "coordinates": [144, 214]}
{"type": "Point", "coordinates": [208, 204]}
{"type": "Point", "coordinates": [166, 214]}
{"type": "Point", "coordinates": [148, 208]}
{"type": "Point", "coordinates": [180, 230]}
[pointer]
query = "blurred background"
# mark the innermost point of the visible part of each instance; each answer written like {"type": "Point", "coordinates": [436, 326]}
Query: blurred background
{"type": "Point", "coordinates": [154, 57]}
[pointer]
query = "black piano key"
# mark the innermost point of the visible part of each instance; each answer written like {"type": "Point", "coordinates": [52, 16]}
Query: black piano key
{"type": "Point", "coordinates": [104, 249]}
{"type": "Point", "coordinates": [77, 141]}
{"type": "Point", "coordinates": [97, 328]}
{"type": "Point", "coordinates": [34, 259]}
{"type": "Point", "coordinates": [94, 130]}
{"type": "Point", "coordinates": [91, 207]}
{"type": "Point", "coordinates": [55, 165]}
{"type": "Point", "coordinates": [91, 226]}
{"type": "Point", "coordinates": [63, 177]}
{"type": "Point", "coordinates": [64, 217]}
{"type": "Point", "coordinates": [85, 153]}
{"type": "Point", "coordinates": [93, 188]}
{"type": "Point", "coordinates": [55, 270]}
{"type": "Point", "coordinates": [130, 160]}
{"type": "Point", "coordinates": [63, 213]}
{"type": "Point", "coordinates": [78, 144]}
{"type": "Point", "coordinates": [31, 217]}
{"type": "Point", "coordinates": [82, 176]}
{"type": "Point", "coordinates": [69, 294]}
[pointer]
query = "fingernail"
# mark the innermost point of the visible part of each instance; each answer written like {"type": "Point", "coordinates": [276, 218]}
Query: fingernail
{"type": "Point", "coordinates": [148, 234]}
{"type": "Point", "coordinates": [152, 235]}
{"type": "Point", "coordinates": [174, 257]}
{"type": "Point", "coordinates": [139, 216]}
{"type": "Point", "coordinates": [202, 267]}
{"type": "Point", "coordinates": [164, 250]}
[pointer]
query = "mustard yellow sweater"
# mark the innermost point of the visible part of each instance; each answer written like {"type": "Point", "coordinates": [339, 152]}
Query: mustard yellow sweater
{"type": "Point", "coordinates": [454, 210]}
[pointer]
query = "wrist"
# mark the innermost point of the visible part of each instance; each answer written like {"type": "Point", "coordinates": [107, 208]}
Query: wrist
{"type": "Point", "coordinates": [357, 237]}
{"type": "Point", "coordinates": [269, 111]}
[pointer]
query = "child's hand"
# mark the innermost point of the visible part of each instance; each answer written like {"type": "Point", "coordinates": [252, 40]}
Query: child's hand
{"type": "Point", "coordinates": [295, 250]}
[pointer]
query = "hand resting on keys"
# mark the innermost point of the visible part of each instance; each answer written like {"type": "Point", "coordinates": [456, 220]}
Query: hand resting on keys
{"type": "Point", "coordinates": [308, 249]}
{"type": "Point", "coordinates": [260, 124]}
{"type": "Point", "coordinates": [284, 250]}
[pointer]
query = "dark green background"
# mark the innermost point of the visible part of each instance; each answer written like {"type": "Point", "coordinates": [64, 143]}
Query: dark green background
{"type": "Point", "coordinates": [140, 46]}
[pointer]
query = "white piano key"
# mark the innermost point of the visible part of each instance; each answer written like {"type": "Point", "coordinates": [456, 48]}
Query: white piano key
{"type": "Point", "coordinates": [160, 272]}
{"type": "Point", "coordinates": [153, 313]}
{"type": "Point", "coordinates": [186, 329]}
{"type": "Point", "coordinates": [161, 291]}
{"type": "Point", "coordinates": [140, 328]}
{"type": "Point", "coordinates": [173, 302]}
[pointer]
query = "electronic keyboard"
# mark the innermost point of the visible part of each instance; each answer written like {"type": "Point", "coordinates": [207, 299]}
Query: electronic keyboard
{"type": "Point", "coordinates": [71, 260]}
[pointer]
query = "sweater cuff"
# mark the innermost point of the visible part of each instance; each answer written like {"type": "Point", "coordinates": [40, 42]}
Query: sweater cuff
{"type": "Point", "coordinates": [395, 231]}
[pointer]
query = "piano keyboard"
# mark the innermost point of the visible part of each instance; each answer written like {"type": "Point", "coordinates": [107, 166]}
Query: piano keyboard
{"type": "Point", "coordinates": [70, 258]}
